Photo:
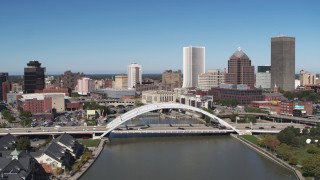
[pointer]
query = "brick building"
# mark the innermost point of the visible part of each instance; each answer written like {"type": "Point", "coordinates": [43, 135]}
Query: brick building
{"type": "Point", "coordinates": [240, 70]}
{"type": "Point", "coordinates": [243, 95]}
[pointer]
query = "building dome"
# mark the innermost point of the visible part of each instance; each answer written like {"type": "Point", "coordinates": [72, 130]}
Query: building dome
{"type": "Point", "coordinates": [239, 54]}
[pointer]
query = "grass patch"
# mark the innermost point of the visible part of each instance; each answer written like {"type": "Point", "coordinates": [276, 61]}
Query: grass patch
{"type": "Point", "coordinates": [251, 138]}
{"type": "Point", "coordinates": [89, 142]}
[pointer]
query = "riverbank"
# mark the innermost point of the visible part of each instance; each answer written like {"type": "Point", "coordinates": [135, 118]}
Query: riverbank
{"type": "Point", "coordinates": [270, 156]}
{"type": "Point", "coordinates": [95, 154]}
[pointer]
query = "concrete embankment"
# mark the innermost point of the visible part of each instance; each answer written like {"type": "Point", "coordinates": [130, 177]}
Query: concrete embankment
{"type": "Point", "coordinates": [95, 154]}
{"type": "Point", "coordinates": [270, 156]}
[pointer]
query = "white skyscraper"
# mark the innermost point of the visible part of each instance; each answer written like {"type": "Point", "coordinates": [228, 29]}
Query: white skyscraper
{"type": "Point", "coordinates": [134, 75]}
{"type": "Point", "coordinates": [193, 65]}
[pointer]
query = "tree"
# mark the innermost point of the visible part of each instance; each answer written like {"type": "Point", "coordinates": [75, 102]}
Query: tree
{"type": "Point", "coordinates": [138, 103]}
{"type": "Point", "coordinates": [23, 143]}
{"type": "Point", "coordinates": [270, 141]}
{"type": "Point", "coordinates": [310, 166]}
{"type": "Point", "coordinates": [284, 151]}
{"type": "Point", "coordinates": [312, 149]}
{"type": "Point", "coordinates": [287, 135]}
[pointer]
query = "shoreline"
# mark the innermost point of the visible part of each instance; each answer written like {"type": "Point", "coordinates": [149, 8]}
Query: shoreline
{"type": "Point", "coordinates": [96, 153]}
{"type": "Point", "coordinates": [270, 156]}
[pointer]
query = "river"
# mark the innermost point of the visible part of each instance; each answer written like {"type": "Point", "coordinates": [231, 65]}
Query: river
{"type": "Point", "coordinates": [183, 158]}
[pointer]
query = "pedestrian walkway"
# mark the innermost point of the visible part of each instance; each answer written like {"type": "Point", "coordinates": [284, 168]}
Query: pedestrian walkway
{"type": "Point", "coordinates": [95, 153]}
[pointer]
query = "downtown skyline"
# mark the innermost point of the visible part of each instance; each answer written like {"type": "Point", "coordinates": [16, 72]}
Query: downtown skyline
{"type": "Point", "coordinates": [104, 37]}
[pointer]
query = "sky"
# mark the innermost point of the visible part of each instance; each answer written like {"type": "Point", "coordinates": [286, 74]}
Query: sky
{"type": "Point", "coordinates": [105, 36]}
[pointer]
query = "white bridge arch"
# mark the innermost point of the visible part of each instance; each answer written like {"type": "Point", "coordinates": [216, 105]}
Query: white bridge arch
{"type": "Point", "coordinates": [157, 106]}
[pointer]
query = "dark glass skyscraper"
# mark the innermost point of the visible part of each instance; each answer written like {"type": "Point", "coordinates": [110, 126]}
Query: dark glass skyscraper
{"type": "Point", "coordinates": [240, 70]}
{"type": "Point", "coordinates": [33, 77]}
{"type": "Point", "coordinates": [283, 62]}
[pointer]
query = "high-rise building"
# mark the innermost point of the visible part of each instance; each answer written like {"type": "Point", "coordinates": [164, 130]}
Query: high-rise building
{"type": "Point", "coordinates": [33, 77]}
{"type": "Point", "coordinates": [120, 81]}
{"type": "Point", "coordinates": [85, 85]}
{"type": "Point", "coordinates": [240, 70]}
{"type": "Point", "coordinates": [134, 75]}
{"type": "Point", "coordinates": [283, 62]}
{"type": "Point", "coordinates": [193, 65]}
{"type": "Point", "coordinates": [4, 76]}
{"type": "Point", "coordinates": [171, 79]}
{"type": "Point", "coordinates": [69, 79]}
{"type": "Point", "coordinates": [212, 78]}
{"type": "Point", "coordinates": [263, 77]}
{"type": "Point", "coordinates": [307, 78]}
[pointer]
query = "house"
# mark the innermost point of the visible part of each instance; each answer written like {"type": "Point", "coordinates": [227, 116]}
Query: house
{"type": "Point", "coordinates": [60, 153]}
{"type": "Point", "coordinates": [16, 165]}
{"type": "Point", "coordinates": [7, 142]}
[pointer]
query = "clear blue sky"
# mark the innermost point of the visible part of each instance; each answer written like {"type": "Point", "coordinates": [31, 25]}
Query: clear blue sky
{"type": "Point", "coordinates": [105, 36]}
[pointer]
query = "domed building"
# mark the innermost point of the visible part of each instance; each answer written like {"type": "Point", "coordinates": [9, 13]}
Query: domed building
{"type": "Point", "coordinates": [240, 70]}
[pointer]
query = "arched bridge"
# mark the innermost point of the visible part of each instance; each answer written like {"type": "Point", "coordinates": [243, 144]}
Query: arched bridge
{"type": "Point", "coordinates": [157, 106]}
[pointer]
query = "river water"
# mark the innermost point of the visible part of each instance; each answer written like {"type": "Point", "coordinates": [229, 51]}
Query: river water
{"type": "Point", "coordinates": [183, 158]}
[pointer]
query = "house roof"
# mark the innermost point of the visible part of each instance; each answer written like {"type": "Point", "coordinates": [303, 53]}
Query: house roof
{"type": "Point", "coordinates": [7, 141]}
{"type": "Point", "coordinates": [66, 139]}
{"type": "Point", "coordinates": [55, 151]}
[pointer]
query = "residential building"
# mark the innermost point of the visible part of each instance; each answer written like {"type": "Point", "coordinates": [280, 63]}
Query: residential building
{"type": "Point", "coordinates": [4, 77]}
{"type": "Point", "coordinates": [283, 62]}
{"type": "Point", "coordinates": [149, 97]}
{"type": "Point", "coordinates": [212, 78]}
{"type": "Point", "coordinates": [307, 78]}
{"type": "Point", "coordinates": [263, 77]}
{"type": "Point", "coordinates": [241, 93]}
{"type": "Point", "coordinates": [240, 70]}
{"type": "Point", "coordinates": [85, 86]}
{"type": "Point", "coordinates": [193, 65]}
{"type": "Point", "coordinates": [171, 79]}
{"type": "Point", "coordinates": [33, 78]}
{"type": "Point", "coordinates": [8, 142]}
{"type": "Point", "coordinates": [69, 79]}
{"type": "Point", "coordinates": [134, 75]}
{"type": "Point", "coordinates": [121, 81]}
{"type": "Point", "coordinates": [108, 83]}
{"type": "Point", "coordinates": [43, 102]}
{"type": "Point", "coordinates": [60, 152]}
{"type": "Point", "coordinates": [20, 165]}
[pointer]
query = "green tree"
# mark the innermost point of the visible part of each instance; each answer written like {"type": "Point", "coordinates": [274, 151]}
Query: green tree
{"type": "Point", "coordinates": [269, 141]}
{"type": "Point", "coordinates": [23, 143]}
{"type": "Point", "coordinates": [284, 151]}
{"type": "Point", "coordinates": [312, 149]}
{"type": "Point", "coordinates": [310, 166]}
{"type": "Point", "coordinates": [286, 135]}
{"type": "Point", "coordinates": [138, 103]}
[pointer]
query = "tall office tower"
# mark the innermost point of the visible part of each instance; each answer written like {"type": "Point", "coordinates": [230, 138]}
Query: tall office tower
{"type": "Point", "coordinates": [134, 75]}
{"type": "Point", "coordinates": [283, 62]}
{"type": "Point", "coordinates": [240, 70]}
{"type": "Point", "coordinates": [193, 65]}
{"type": "Point", "coordinates": [4, 76]}
{"type": "Point", "coordinates": [33, 77]}
{"type": "Point", "coordinates": [263, 77]}
{"type": "Point", "coordinates": [307, 78]}
{"type": "Point", "coordinates": [212, 78]}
